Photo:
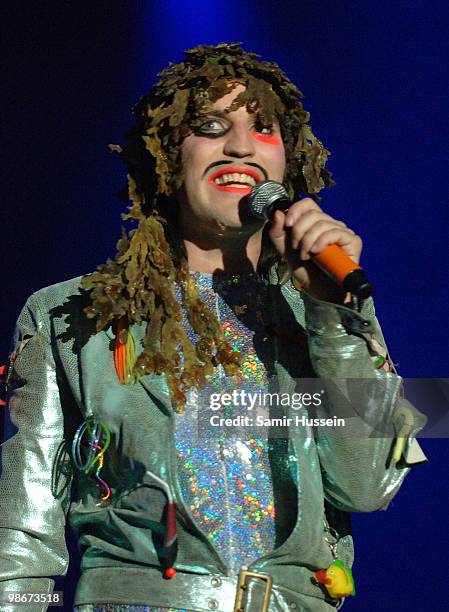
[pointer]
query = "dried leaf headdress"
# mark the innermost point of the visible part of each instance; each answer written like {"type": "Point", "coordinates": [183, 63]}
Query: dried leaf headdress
{"type": "Point", "coordinates": [138, 285]}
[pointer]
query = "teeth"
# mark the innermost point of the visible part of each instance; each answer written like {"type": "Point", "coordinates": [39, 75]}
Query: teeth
{"type": "Point", "coordinates": [235, 179]}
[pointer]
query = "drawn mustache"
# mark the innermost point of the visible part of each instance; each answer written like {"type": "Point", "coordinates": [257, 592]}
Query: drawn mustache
{"type": "Point", "coordinates": [229, 163]}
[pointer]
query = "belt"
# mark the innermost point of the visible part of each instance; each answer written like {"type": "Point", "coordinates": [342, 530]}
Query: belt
{"type": "Point", "coordinates": [246, 592]}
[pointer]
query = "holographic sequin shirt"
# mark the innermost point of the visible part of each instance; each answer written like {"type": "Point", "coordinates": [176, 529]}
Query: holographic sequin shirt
{"type": "Point", "coordinates": [223, 466]}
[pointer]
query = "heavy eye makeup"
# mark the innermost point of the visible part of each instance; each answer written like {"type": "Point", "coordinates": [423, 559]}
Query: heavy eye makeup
{"type": "Point", "coordinates": [215, 127]}
{"type": "Point", "coordinates": [269, 134]}
{"type": "Point", "coordinates": [266, 129]}
{"type": "Point", "coordinates": [212, 127]}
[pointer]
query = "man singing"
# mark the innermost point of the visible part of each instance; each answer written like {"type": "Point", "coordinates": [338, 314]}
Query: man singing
{"type": "Point", "coordinates": [111, 376]}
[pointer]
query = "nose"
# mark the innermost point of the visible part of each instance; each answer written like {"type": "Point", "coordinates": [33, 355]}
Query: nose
{"type": "Point", "coordinates": [239, 142]}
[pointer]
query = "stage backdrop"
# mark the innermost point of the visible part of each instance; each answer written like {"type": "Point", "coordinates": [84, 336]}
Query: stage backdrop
{"type": "Point", "coordinates": [374, 75]}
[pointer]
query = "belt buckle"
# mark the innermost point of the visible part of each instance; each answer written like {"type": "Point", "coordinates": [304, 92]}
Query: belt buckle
{"type": "Point", "coordinates": [242, 586]}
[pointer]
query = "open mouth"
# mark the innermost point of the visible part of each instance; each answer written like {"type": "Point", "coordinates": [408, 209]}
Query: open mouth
{"type": "Point", "coordinates": [238, 180]}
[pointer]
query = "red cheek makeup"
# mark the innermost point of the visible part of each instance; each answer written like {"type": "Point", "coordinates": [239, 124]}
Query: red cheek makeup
{"type": "Point", "coordinates": [267, 138]}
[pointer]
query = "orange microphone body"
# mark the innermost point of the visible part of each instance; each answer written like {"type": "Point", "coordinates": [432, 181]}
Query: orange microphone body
{"type": "Point", "coordinates": [336, 264]}
{"type": "Point", "coordinates": [267, 197]}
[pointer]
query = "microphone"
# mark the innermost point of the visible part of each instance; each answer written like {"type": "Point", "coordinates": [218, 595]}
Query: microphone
{"type": "Point", "coordinates": [267, 197]}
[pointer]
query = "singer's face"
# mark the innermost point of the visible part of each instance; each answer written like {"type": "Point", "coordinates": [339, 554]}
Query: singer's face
{"type": "Point", "coordinates": [222, 160]}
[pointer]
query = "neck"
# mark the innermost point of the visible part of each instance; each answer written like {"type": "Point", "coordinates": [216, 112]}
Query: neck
{"type": "Point", "coordinates": [229, 252]}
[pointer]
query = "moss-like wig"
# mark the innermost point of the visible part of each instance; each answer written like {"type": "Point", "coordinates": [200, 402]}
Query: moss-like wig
{"type": "Point", "coordinates": [138, 285]}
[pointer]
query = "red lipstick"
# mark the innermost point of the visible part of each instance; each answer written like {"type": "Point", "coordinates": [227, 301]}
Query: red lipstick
{"type": "Point", "coordinates": [231, 170]}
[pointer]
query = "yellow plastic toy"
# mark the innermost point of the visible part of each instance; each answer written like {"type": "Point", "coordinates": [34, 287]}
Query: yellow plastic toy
{"type": "Point", "coordinates": [337, 580]}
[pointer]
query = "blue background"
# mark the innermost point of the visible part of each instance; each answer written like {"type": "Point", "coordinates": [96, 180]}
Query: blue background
{"type": "Point", "coordinates": [375, 80]}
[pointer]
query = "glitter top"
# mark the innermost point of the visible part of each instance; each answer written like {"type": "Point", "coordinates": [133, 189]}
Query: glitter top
{"type": "Point", "coordinates": [224, 471]}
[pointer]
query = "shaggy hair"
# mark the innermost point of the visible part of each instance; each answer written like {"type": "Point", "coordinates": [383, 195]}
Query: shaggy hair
{"type": "Point", "coordinates": [138, 285]}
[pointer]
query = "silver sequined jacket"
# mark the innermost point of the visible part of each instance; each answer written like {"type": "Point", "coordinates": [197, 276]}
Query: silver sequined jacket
{"type": "Point", "coordinates": [62, 373]}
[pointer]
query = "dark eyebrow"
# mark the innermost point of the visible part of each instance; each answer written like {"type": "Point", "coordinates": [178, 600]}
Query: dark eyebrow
{"type": "Point", "coordinates": [223, 115]}
{"type": "Point", "coordinates": [215, 113]}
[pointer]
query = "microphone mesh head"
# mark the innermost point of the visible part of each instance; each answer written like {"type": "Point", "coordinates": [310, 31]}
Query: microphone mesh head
{"type": "Point", "coordinates": [264, 195]}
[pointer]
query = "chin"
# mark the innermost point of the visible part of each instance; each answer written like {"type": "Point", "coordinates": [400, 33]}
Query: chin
{"type": "Point", "coordinates": [240, 226]}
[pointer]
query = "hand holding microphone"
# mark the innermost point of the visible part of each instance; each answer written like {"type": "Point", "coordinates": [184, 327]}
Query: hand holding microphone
{"type": "Point", "coordinates": [303, 234]}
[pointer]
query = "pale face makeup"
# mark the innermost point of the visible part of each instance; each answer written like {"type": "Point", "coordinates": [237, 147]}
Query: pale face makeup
{"type": "Point", "coordinates": [222, 160]}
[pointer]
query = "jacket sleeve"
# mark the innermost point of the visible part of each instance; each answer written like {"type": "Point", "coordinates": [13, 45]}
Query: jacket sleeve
{"type": "Point", "coordinates": [365, 460]}
{"type": "Point", "coordinates": [35, 477]}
